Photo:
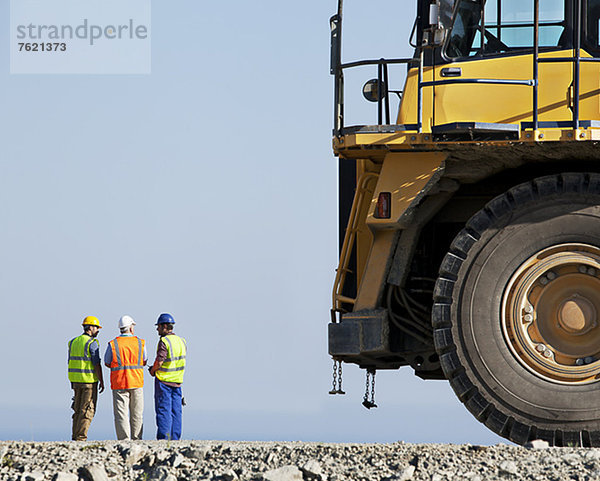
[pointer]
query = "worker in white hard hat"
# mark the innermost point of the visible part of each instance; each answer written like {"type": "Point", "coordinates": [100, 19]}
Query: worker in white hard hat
{"type": "Point", "coordinates": [126, 357]}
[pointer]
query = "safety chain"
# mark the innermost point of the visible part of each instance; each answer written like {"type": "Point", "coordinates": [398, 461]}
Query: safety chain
{"type": "Point", "coordinates": [370, 403]}
{"type": "Point", "coordinates": [337, 378]}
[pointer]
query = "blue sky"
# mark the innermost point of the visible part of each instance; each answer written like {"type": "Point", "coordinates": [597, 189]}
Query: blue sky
{"type": "Point", "coordinates": [206, 189]}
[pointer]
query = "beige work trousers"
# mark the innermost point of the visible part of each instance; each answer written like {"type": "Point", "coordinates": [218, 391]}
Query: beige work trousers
{"type": "Point", "coordinates": [84, 406]}
{"type": "Point", "coordinates": [128, 406]}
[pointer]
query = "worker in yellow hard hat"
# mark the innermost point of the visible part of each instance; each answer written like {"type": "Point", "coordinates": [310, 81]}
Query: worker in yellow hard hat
{"type": "Point", "coordinates": [85, 372]}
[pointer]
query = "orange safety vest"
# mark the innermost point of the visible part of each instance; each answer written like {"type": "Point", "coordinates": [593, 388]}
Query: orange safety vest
{"type": "Point", "coordinates": [127, 366]}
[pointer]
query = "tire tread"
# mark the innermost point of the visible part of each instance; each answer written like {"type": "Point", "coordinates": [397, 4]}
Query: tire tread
{"type": "Point", "coordinates": [520, 196]}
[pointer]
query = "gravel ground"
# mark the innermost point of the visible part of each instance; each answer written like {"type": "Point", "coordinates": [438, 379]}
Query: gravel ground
{"type": "Point", "coordinates": [258, 461]}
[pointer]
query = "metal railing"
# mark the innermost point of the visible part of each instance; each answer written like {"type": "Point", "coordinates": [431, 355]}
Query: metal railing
{"type": "Point", "coordinates": [383, 102]}
{"type": "Point", "coordinates": [337, 69]}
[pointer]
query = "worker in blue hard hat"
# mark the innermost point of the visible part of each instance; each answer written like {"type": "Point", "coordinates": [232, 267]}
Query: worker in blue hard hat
{"type": "Point", "coordinates": [168, 370]}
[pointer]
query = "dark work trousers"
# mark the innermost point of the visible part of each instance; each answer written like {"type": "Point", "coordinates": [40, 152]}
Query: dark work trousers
{"type": "Point", "coordinates": [167, 404]}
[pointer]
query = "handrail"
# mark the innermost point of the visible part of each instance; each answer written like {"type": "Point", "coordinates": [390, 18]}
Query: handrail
{"type": "Point", "coordinates": [383, 101]}
{"type": "Point", "coordinates": [576, 65]}
{"type": "Point", "coordinates": [536, 63]}
{"type": "Point", "coordinates": [528, 83]}
{"type": "Point", "coordinates": [567, 59]}
{"type": "Point", "coordinates": [381, 61]}
{"type": "Point", "coordinates": [348, 244]}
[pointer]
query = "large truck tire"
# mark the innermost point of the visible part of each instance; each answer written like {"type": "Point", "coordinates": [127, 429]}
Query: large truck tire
{"type": "Point", "coordinates": [516, 313]}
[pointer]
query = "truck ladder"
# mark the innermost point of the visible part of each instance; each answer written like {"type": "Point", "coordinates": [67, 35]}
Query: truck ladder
{"type": "Point", "coordinates": [348, 244]}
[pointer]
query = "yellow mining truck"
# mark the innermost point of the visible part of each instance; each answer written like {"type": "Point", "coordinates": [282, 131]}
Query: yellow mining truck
{"type": "Point", "coordinates": [470, 222]}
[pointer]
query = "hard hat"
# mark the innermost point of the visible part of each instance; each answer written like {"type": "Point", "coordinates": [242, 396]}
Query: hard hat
{"type": "Point", "coordinates": [91, 321]}
{"type": "Point", "coordinates": [165, 319]}
{"type": "Point", "coordinates": [126, 321]}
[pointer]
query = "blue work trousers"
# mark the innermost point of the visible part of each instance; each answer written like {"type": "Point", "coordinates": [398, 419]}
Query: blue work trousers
{"type": "Point", "coordinates": [167, 403]}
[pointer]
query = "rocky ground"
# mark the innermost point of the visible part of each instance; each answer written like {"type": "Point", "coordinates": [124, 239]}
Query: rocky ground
{"type": "Point", "coordinates": [256, 461]}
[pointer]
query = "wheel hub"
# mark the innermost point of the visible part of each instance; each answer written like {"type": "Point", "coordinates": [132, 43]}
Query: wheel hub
{"type": "Point", "coordinates": [577, 315]}
{"type": "Point", "coordinates": [550, 314]}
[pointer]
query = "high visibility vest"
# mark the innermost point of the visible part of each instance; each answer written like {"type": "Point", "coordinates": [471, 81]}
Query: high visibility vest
{"type": "Point", "coordinates": [81, 368]}
{"type": "Point", "coordinates": [173, 367]}
{"type": "Point", "coordinates": [127, 366]}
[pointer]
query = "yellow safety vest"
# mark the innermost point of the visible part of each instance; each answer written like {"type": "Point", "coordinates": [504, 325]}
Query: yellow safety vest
{"type": "Point", "coordinates": [81, 368]}
{"type": "Point", "coordinates": [173, 367]}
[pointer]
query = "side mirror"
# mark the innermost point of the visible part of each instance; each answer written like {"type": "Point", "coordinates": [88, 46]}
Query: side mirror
{"type": "Point", "coordinates": [436, 29]}
{"type": "Point", "coordinates": [434, 15]}
{"type": "Point", "coordinates": [371, 90]}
